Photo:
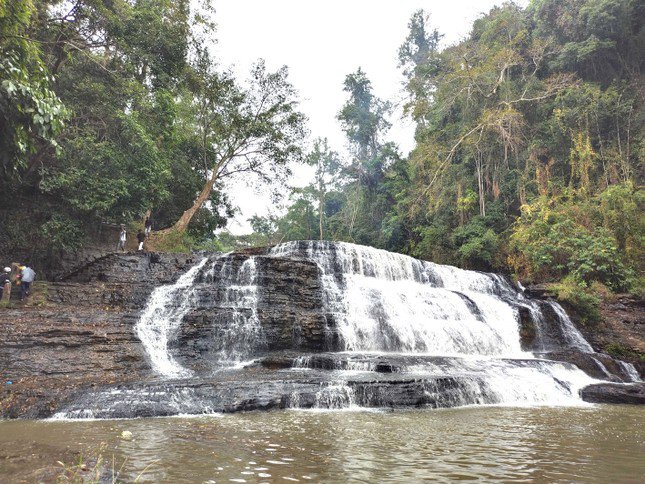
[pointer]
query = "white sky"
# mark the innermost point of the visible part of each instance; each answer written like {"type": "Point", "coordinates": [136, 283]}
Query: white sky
{"type": "Point", "coordinates": [322, 41]}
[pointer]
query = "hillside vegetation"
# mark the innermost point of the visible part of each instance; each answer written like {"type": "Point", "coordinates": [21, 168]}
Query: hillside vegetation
{"type": "Point", "coordinates": [529, 139]}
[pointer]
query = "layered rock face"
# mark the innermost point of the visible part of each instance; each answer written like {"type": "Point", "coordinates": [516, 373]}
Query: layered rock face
{"type": "Point", "coordinates": [300, 325]}
{"type": "Point", "coordinates": [82, 336]}
{"type": "Point", "coordinates": [281, 297]}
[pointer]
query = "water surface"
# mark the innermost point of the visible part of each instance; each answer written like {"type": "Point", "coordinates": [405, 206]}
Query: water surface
{"type": "Point", "coordinates": [590, 444]}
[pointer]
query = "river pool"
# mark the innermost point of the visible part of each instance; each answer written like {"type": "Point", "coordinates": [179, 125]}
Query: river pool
{"type": "Point", "coordinates": [590, 444]}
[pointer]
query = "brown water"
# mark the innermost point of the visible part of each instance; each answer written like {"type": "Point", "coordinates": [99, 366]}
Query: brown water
{"type": "Point", "coordinates": [590, 444]}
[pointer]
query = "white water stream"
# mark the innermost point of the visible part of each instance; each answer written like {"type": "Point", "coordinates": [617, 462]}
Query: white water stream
{"type": "Point", "coordinates": [386, 303]}
{"type": "Point", "coordinates": [162, 316]}
{"type": "Point", "coordinates": [383, 301]}
{"type": "Point", "coordinates": [243, 336]}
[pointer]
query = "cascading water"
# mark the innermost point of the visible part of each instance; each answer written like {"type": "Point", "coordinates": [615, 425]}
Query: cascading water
{"type": "Point", "coordinates": [242, 335]}
{"type": "Point", "coordinates": [162, 316]}
{"type": "Point", "coordinates": [386, 302]}
{"type": "Point", "coordinates": [337, 325]}
{"type": "Point", "coordinates": [630, 370]}
{"type": "Point", "coordinates": [383, 301]}
{"type": "Point", "coordinates": [572, 335]}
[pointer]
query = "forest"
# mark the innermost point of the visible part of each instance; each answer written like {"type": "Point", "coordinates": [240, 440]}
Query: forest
{"type": "Point", "coordinates": [527, 157]}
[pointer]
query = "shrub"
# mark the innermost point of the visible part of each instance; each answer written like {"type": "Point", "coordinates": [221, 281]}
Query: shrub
{"type": "Point", "coordinates": [577, 295]}
{"type": "Point", "coordinates": [476, 244]}
{"type": "Point", "coordinates": [63, 233]}
{"type": "Point", "coordinates": [568, 236]}
{"type": "Point", "coordinates": [179, 242]}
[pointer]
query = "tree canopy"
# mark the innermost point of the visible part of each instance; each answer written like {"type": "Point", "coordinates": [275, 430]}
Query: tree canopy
{"type": "Point", "coordinates": [527, 158]}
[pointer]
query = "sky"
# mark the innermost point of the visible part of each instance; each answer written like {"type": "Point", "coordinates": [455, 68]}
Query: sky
{"type": "Point", "coordinates": [321, 41]}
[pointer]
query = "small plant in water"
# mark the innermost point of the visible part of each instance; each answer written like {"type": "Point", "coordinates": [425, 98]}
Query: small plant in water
{"type": "Point", "coordinates": [96, 470]}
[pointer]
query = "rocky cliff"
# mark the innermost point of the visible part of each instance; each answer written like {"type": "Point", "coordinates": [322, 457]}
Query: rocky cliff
{"type": "Point", "coordinates": [80, 343]}
{"type": "Point", "coordinates": [81, 335]}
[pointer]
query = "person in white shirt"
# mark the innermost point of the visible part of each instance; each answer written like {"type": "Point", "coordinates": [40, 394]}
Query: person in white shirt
{"type": "Point", "coordinates": [122, 238]}
{"type": "Point", "coordinates": [27, 276]}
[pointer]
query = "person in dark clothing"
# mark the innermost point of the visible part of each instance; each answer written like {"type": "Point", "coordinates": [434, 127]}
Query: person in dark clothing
{"type": "Point", "coordinates": [148, 225]}
{"type": "Point", "coordinates": [141, 237]}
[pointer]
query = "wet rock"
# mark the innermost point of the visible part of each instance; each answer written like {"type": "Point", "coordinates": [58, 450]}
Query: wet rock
{"type": "Point", "coordinates": [528, 333]}
{"type": "Point", "coordinates": [633, 394]}
{"type": "Point", "coordinates": [263, 392]}
{"type": "Point", "coordinates": [79, 352]}
{"type": "Point", "coordinates": [621, 330]}
{"type": "Point", "coordinates": [83, 336]}
{"type": "Point", "coordinates": [596, 365]}
{"type": "Point", "coordinates": [540, 291]}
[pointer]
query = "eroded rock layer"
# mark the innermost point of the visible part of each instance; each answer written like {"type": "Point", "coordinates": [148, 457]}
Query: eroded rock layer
{"type": "Point", "coordinates": [305, 324]}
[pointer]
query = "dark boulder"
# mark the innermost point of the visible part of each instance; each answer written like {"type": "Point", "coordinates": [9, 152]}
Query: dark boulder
{"type": "Point", "coordinates": [633, 394]}
{"type": "Point", "coordinates": [541, 291]}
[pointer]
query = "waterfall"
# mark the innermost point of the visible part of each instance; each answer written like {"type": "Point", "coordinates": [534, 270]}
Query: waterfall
{"type": "Point", "coordinates": [400, 332]}
{"type": "Point", "coordinates": [382, 301]}
{"type": "Point", "coordinates": [630, 371]}
{"type": "Point", "coordinates": [573, 336]}
{"type": "Point", "coordinates": [602, 367]}
{"type": "Point", "coordinates": [242, 336]}
{"type": "Point", "coordinates": [162, 316]}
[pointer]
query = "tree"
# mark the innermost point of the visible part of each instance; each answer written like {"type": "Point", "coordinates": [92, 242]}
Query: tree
{"type": "Point", "coordinates": [327, 164]}
{"type": "Point", "coordinates": [252, 131]}
{"type": "Point", "coordinates": [31, 114]}
{"type": "Point", "coordinates": [421, 63]}
{"type": "Point", "coordinates": [119, 149]}
{"type": "Point", "coordinates": [363, 119]}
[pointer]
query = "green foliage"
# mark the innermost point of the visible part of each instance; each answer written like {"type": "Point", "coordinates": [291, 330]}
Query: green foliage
{"type": "Point", "coordinates": [432, 243]}
{"type": "Point", "coordinates": [176, 242]}
{"type": "Point", "coordinates": [250, 133]}
{"type": "Point", "coordinates": [618, 350]}
{"type": "Point", "coordinates": [576, 293]}
{"type": "Point", "coordinates": [63, 233]}
{"type": "Point", "coordinates": [363, 116]}
{"type": "Point", "coordinates": [31, 114]}
{"type": "Point", "coordinates": [568, 236]}
{"type": "Point", "coordinates": [112, 179]}
{"type": "Point", "coordinates": [528, 153]}
{"type": "Point", "coordinates": [146, 123]}
{"type": "Point", "coordinates": [476, 244]}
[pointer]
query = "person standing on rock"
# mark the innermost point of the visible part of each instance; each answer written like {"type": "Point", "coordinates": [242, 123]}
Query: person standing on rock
{"type": "Point", "coordinates": [141, 237]}
{"type": "Point", "coordinates": [5, 284]}
{"type": "Point", "coordinates": [148, 225]}
{"type": "Point", "coordinates": [26, 278]}
{"type": "Point", "coordinates": [122, 238]}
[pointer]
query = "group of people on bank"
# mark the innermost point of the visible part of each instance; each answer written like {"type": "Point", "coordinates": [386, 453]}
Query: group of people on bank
{"type": "Point", "coordinates": [22, 276]}
{"type": "Point", "coordinates": [141, 235]}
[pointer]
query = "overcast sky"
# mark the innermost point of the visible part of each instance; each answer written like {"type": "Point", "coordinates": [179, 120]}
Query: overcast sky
{"type": "Point", "coordinates": [321, 41]}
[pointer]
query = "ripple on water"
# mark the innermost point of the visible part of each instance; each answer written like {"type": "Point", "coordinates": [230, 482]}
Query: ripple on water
{"type": "Point", "coordinates": [546, 444]}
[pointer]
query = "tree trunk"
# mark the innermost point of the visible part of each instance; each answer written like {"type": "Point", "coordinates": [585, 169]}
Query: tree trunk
{"type": "Point", "coordinates": [321, 202]}
{"type": "Point", "coordinates": [459, 208]}
{"type": "Point", "coordinates": [480, 185]}
{"type": "Point", "coordinates": [186, 217]}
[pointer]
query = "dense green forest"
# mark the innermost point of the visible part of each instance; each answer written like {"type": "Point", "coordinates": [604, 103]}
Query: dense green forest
{"type": "Point", "coordinates": [529, 139]}
{"type": "Point", "coordinates": [111, 110]}
{"type": "Point", "coordinates": [528, 152]}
